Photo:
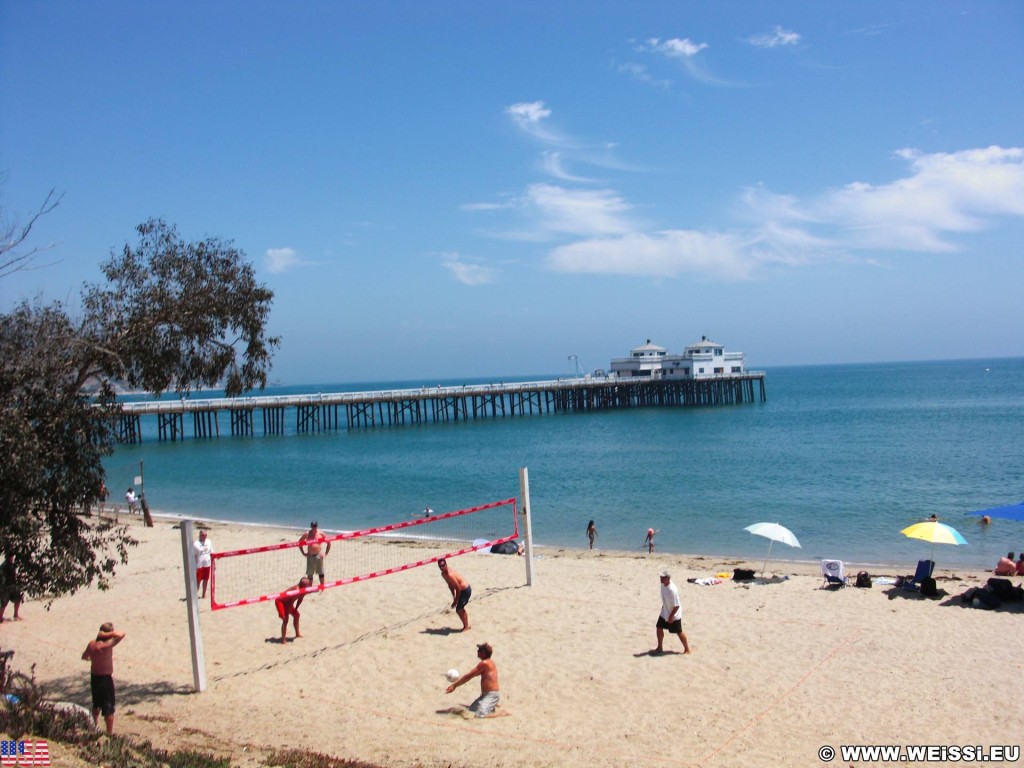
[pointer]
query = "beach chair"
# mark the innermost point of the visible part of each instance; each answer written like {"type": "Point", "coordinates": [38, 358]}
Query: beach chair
{"type": "Point", "coordinates": [834, 573]}
{"type": "Point", "coordinates": [924, 571]}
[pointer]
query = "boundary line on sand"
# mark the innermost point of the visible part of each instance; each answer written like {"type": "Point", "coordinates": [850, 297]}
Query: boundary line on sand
{"type": "Point", "coordinates": [779, 699]}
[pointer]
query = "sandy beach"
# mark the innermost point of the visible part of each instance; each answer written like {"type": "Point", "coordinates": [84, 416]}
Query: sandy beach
{"type": "Point", "coordinates": [778, 670]}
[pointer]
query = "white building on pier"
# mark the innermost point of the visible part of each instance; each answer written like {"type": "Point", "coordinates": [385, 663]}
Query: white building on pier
{"type": "Point", "coordinates": [704, 360]}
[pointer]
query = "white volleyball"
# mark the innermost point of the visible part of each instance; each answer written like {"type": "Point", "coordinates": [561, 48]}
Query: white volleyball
{"type": "Point", "coordinates": [452, 675]}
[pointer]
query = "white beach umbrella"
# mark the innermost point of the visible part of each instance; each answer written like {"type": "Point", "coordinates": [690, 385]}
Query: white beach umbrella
{"type": "Point", "coordinates": [773, 532]}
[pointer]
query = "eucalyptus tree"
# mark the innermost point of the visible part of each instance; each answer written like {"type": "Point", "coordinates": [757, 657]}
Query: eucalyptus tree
{"type": "Point", "coordinates": [171, 316]}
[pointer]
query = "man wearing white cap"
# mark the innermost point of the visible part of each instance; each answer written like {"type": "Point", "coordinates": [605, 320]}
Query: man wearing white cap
{"type": "Point", "coordinates": [671, 617]}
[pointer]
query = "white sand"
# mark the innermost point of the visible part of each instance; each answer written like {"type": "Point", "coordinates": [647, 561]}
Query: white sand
{"type": "Point", "coordinates": [777, 670]}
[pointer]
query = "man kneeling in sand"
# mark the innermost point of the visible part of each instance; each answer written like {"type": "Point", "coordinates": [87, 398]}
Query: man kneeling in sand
{"type": "Point", "coordinates": [487, 702]}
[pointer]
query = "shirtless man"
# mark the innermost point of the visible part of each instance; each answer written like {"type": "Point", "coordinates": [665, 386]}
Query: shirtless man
{"type": "Point", "coordinates": [312, 546]}
{"type": "Point", "coordinates": [289, 606]}
{"type": "Point", "coordinates": [486, 703]}
{"type": "Point", "coordinates": [461, 591]}
{"type": "Point", "coordinates": [100, 654]}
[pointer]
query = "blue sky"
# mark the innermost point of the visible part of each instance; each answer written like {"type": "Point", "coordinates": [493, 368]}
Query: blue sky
{"type": "Point", "coordinates": [483, 189]}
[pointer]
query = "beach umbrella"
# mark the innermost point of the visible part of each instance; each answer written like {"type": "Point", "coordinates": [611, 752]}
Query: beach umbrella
{"type": "Point", "coordinates": [773, 532]}
{"type": "Point", "coordinates": [935, 532]}
{"type": "Point", "coordinates": [1011, 512]}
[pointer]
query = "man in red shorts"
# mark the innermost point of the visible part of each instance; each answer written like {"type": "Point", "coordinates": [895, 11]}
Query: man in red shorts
{"type": "Point", "coordinates": [288, 605]}
{"type": "Point", "coordinates": [204, 550]}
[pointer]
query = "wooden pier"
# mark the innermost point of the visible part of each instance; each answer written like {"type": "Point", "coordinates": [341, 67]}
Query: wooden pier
{"type": "Point", "coordinates": [314, 413]}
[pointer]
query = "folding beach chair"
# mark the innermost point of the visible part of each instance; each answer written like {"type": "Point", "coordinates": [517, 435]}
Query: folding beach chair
{"type": "Point", "coordinates": [834, 573]}
{"type": "Point", "coordinates": [924, 571]}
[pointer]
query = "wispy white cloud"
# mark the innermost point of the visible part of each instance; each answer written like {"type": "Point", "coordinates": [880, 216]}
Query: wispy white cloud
{"type": "Point", "coordinates": [554, 165]}
{"type": "Point", "coordinates": [560, 148]}
{"type": "Point", "coordinates": [777, 37]}
{"type": "Point", "coordinates": [578, 212]}
{"type": "Point", "coordinates": [944, 194]}
{"type": "Point", "coordinates": [676, 48]}
{"type": "Point", "coordinates": [685, 52]}
{"type": "Point", "coordinates": [468, 273]}
{"type": "Point", "coordinates": [658, 254]}
{"type": "Point", "coordinates": [642, 74]}
{"type": "Point", "coordinates": [279, 260]}
{"type": "Point", "coordinates": [531, 117]}
{"type": "Point", "coordinates": [483, 206]}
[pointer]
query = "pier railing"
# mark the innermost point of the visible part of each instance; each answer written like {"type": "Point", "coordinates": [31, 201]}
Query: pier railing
{"type": "Point", "coordinates": [319, 412]}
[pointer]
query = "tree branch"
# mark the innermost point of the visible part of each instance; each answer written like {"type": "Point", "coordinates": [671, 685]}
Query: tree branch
{"type": "Point", "coordinates": [13, 237]}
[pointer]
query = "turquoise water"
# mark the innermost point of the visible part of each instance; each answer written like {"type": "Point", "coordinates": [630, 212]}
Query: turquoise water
{"type": "Point", "coordinates": [845, 456]}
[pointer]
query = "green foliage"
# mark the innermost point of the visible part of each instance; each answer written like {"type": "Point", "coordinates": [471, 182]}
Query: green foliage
{"type": "Point", "coordinates": [26, 713]}
{"type": "Point", "coordinates": [173, 315]}
{"type": "Point", "coordinates": [52, 437]}
{"type": "Point", "coordinates": [297, 758]}
{"type": "Point", "coordinates": [118, 752]}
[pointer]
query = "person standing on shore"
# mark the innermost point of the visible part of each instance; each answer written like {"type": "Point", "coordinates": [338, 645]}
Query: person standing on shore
{"type": "Point", "coordinates": [671, 617]}
{"type": "Point", "coordinates": [487, 670]}
{"type": "Point", "coordinates": [288, 605]}
{"type": "Point", "coordinates": [591, 533]}
{"type": "Point", "coordinates": [312, 546]}
{"type": "Point", "coordinates": [203, 548]}
{"type": "Point", "coordinates": [461, 591]}
{"type": "Point", "coordinates": [10, 589]}
{"type": "Point", "coordinates": [649, 541]}
{"type": "Point", "coordinates": [100, 654]}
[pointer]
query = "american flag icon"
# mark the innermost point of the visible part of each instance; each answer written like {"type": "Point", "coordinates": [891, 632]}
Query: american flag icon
{"type": "Point", "coordinates": [15, 753]}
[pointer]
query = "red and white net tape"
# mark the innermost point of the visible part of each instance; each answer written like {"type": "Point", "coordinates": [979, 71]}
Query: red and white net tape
{"type": "Point", "coordinates": [350, 535]}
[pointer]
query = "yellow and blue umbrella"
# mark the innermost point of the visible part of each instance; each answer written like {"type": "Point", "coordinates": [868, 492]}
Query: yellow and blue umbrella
{"type": "Point", "coordinates": [935, 532]}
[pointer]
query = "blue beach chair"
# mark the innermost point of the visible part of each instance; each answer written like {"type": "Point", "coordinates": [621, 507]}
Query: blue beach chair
{"type": "Point", "coordinates": [924, 571]}
{"type": "Point", "coordinates": [834, 574]}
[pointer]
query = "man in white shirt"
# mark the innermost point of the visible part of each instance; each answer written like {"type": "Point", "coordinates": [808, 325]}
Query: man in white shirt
{"type": "Point", "coordinates": [203, 548]}
{"type": "Point", "coordinates": [671, 617]}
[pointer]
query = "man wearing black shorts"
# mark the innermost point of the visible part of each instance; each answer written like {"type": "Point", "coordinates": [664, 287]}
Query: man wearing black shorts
{"type": "Point", "coordinates": [460, 589]}
{"type": "Point", "coordinates": [100, 653]}
{"type": "Point", "coordinates": [671, 617]}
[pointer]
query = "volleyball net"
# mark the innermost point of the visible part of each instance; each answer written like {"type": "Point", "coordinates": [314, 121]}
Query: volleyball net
{"type": "Point", "coordinates": [247, 576]}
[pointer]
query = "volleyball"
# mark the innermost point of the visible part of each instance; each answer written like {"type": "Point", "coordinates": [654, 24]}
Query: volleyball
{"type": "Point", "coordinates": [452, 675]}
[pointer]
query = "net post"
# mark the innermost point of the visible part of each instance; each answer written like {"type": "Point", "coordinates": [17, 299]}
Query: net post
{"type": "Point", "coordinates": [195, 635]}
{"type": "Point", "coordinates": [524, 493]}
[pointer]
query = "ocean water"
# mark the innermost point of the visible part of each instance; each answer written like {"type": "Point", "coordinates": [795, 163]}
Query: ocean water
{"type": "Point", "coordinates": [843, 455]}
